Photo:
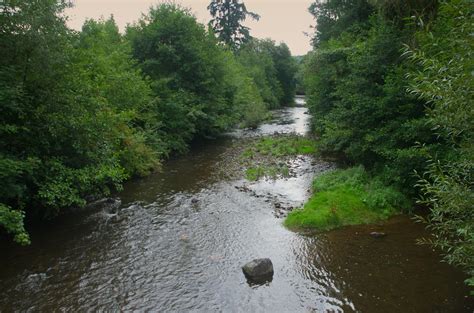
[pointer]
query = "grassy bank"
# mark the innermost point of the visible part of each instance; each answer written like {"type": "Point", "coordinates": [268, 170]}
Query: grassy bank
{"type": "Point", "coordinates": [267, 156]}
{"type": "Point", "coordinates": [289, 145]}
{"type": "Point", "coordinates": [347, 197]}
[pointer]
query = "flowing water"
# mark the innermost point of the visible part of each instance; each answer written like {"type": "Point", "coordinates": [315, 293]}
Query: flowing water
{"type": "Point", "coordinates": [180, 237]}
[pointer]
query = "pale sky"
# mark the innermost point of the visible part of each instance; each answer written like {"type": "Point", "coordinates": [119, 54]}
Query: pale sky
{"type": "Point", "coordinates": [281, 20]}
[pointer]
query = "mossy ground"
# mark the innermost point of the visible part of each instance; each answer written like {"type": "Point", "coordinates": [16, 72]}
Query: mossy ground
{"type": "Point", "coordinates": [267, 156]}
{"type": "Point", "coordinates": [347, 197]}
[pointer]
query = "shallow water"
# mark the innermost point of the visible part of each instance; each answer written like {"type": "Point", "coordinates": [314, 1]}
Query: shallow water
{"type": "Point", "coordinates": [180, 237]}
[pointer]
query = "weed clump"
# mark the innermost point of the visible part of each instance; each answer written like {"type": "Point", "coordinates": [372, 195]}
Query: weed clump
{"type": "Point", "coordinates": [267, 156]}
{"type": "Point", "coordinates": [347, 197]}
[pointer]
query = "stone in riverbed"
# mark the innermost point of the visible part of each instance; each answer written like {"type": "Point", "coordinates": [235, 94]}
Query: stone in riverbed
{"type": "Point", "coordinates": [376, 234]}
{"type": "Point", "coordinates": [259, 270]}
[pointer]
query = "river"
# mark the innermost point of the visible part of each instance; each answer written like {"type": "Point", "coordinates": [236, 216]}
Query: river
{"type": "Point", "coordinates": [180, 237]}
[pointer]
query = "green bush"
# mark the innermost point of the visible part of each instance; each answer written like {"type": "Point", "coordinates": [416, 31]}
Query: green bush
{"type": "Point", "coordinates": [12, 223]}
{"type": "Point", "coordinates": [347, 197]}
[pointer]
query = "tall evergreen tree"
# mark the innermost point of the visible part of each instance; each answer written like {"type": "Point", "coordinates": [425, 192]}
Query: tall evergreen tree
{"type": "Point", "coordinates": [228, 16]}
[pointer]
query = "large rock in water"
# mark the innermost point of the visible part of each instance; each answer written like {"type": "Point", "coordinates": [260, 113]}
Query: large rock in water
{"type": "Point", "coordinates": [259, 270]}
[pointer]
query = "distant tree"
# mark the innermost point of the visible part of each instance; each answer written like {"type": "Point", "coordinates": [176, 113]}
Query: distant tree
{"type": "Point", "coordinates": [272, 68]}
{"type": "Point", "coordinates": [286, 70]}
{"type": "Point", "coordinates": [228, 16]}
{"type": "Point", "coordinates": [300, 60]}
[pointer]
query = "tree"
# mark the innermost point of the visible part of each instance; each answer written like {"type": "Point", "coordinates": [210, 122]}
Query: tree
{"type": "Point", "coordinates": [67, 122]}
{"type": "Point", "coordinates": [32, 36]}
{"type": "Point", "coordinates": [272, 68]}
{"type": "Point", "coordinates": [444, 53]}
{"type": "Point", "coordinates": [259, 64]}
{"type": "Point", "coordinates": [356, 85]}
{"type": "Point", "coordinates": [286, 70]}
{"type": "Point", "coordinates": [228, 16]}
{"type": "Point", "coordinates": [185, 66]}
{"type": "Point", "coordinates": [333, 17]}
{"type": "Point", "coordinates": [103, 62]}
{"type": "Point", "coordinates": [189, 72]}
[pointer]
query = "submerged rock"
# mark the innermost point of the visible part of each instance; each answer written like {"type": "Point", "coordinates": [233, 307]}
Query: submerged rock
{"type": "Point", "coordinates": [376, 234]}
{"type": "Point", "coordinates": [259, 270]}
{"type": "Point", "coordinates": [108, 205]}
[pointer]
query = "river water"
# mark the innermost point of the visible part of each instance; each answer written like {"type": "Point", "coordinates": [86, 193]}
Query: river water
{"type": "Point", "coordinates": [180, 237]}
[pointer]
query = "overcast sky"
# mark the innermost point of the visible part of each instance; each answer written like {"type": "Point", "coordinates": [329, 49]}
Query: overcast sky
{"type": "Point", "coordinates": [281, 20]}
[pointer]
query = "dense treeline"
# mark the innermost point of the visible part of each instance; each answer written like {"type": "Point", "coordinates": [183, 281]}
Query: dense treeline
{"type": "Point", "coordinates": [83, 111]}
{"type": "Point", "coordinates": [272, 68]}
{"type": "Point", "coordinates": [389, 84]}
{"type": "Point", "coordinates": [299, 76]}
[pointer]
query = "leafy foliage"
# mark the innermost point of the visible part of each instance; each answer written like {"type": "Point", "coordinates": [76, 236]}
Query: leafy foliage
{"type": "Point", "coordinates": [272, 69]}
{"type": "Point", "coordinates": [191, 77]}
{"type": "Point", "coordinates": [247, 101]}
{"type": "Point", "coordinates": [67, 131]}
{"type": "Point", "coordinates": [333, 17]}
{"type": "Point", "coordinates": [356, 88]}
{"type": "Point", "coordinates": [299, 75]}
{"type": "Point", "coordinates": [12, 222]}
{"type": "Point", "coordinates": [444, 80]}
{"type": "Point", "coordinates": [227, 18]}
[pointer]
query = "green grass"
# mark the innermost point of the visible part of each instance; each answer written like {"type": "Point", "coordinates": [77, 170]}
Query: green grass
{"type": "Point", "coordinates": [281, 146]}
{"type": "Point", "coordinates": [347, 197]}
{"type": "Point", "coordinates": [267, 156]}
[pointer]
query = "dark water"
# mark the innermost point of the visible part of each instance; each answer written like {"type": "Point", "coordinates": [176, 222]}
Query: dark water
{"type": "Point", "coordinates": [179, 240]}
